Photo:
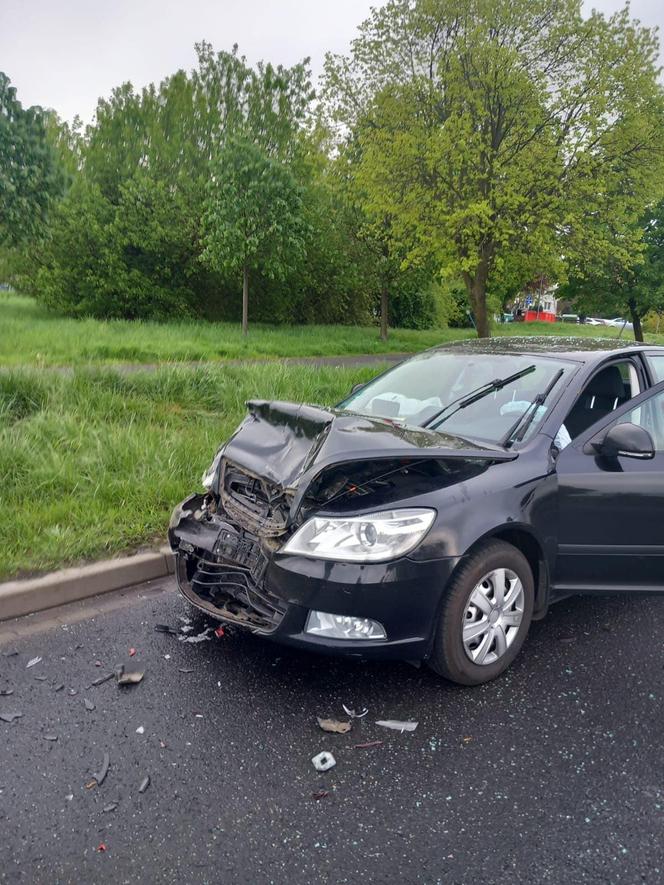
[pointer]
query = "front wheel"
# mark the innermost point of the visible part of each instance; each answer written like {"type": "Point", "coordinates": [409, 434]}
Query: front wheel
{"type": "Point", "coordinates": [485, 615]}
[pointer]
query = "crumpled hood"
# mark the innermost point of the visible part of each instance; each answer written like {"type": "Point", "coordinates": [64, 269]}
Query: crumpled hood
{"type": "Point", "coordinates": [284, 442]}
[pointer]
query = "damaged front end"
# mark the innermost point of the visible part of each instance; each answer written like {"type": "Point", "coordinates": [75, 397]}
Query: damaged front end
{"type": "Point", "coordinates": [285, 464]}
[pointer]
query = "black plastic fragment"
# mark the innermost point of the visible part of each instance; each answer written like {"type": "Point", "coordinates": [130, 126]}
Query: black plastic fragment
{"type": "Point", "coordinates": [103, 771]}
{"type": "Point", "coordinates": [101, 679]}
{"type": "Point", "coordinates": [59, 686]}
{"type": "Point", "coordinates": [5, 692]}
{"type": "Point", "coordinates": [166, 628]}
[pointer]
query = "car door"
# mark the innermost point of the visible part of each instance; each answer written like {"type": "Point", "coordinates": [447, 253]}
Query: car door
{"type": "Point", "coordinates": [611, 510]}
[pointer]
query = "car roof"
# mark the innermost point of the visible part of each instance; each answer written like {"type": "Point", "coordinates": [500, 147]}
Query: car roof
{"type": "Point", "coordinates": [582, 350]}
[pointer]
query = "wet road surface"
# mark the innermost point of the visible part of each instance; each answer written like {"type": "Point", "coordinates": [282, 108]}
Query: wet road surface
{"type": "Point", "coordinates": [554, 773]}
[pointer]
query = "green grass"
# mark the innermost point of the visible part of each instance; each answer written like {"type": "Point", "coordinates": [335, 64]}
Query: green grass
{"type": "Point", "coordinates": [91, 464]}
{"type": "Point", "coordinates": [30, 335]}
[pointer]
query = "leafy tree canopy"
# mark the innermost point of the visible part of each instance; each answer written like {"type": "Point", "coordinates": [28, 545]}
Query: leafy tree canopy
{"type": "Point", "coordinates": [494, 127]}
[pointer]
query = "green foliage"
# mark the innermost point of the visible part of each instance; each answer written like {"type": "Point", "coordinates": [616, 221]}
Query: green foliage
{"type": "Point", "coordinates": [632, 287]}
{"type": "Point", "coordinates": [30, 177]}
{"type": "Point", "coordinates": [498, 129]}
{"type": "Point", "coordinates": [254, 213]}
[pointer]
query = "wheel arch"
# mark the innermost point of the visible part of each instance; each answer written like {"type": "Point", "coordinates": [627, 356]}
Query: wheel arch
{"type": "Point", "coordinates": [526, 542]}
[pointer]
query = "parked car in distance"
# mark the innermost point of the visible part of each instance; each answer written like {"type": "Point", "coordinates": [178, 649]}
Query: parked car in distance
{"type": "Point", "coordinates": [594, 321]}
{"type": "Point", "coordinates": [569, 318]}
{"type": "Point", "coordinates": [620, 323]}
{"type": "Point", "coordinates": [439, 508]}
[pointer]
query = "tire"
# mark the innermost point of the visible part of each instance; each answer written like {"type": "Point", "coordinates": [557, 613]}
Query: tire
{"type": "Point", "coordinates": [498, 640]}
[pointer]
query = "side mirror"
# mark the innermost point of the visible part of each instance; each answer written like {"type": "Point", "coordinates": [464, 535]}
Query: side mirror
{"type": "Point", "coordinates": [627, 441]}
{"type": "Point", "coordinates": [357, 387]}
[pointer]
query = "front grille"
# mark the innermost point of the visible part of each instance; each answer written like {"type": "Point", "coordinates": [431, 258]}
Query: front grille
{"type": "Point", "coordinates": [229, 591]}
{"type": "Point", "coordinates": [253, 502]}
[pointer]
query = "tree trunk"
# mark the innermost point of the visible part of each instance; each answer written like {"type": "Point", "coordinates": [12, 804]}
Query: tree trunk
{"type": "Point", "coordinates": [384, 295]}
{"type": "Point", "coordinates": [636, 320]}
{"type": "Point", "coordinates": [476, 289]}
{"type": "Point", "coordinates": [245, 299]}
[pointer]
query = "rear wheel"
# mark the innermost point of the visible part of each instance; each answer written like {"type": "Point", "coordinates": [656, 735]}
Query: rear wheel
{"type": "Point", "coordinates": [485, 616]}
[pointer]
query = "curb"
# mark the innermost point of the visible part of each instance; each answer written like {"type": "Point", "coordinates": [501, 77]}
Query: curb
{"type": "Point", "coordinates": [24, 597]}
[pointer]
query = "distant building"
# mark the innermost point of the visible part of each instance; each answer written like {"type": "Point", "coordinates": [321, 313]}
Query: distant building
{"type": "Point", "coordinates": [537, 302]}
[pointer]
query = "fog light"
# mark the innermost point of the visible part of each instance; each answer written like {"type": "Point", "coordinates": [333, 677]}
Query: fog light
{"type": "Point", "coordinates": [343, 626]}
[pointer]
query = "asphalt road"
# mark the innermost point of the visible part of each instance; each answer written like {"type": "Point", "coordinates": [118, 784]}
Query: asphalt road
{"type": "Point", "coordinates": [554, 773]}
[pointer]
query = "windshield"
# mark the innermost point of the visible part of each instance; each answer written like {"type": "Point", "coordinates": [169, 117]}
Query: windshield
{"type": "Point", "coordinates": [428, 390]}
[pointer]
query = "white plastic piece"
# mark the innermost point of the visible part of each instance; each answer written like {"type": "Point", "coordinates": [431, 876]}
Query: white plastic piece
{"type": "Point", "coordinates": [324, 761]}
{"type": "Point", "coordinates": [395, 725]}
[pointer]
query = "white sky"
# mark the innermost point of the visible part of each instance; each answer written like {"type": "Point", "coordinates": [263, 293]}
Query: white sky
{"type": "Point", "coordinates": [64, 54]}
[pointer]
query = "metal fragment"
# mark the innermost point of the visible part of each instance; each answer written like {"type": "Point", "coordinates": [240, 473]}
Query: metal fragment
{"type": "Point", "coordinates": [145, 783]}
{"type": "Point", "coordinates": [33, 662]}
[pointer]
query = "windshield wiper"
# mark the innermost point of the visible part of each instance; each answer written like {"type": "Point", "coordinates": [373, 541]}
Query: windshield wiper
{"type": "Point", "coordinates": [528, 415]}
{"type": "Point", "coordinates": [462, 402]}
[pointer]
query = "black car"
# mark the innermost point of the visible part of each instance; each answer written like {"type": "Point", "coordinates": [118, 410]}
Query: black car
{"type": "Point", "coordinates": [441, 507]}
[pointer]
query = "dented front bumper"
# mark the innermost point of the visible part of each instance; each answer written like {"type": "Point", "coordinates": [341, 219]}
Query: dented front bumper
{"type": "Point", "coordinates": [241, 579]}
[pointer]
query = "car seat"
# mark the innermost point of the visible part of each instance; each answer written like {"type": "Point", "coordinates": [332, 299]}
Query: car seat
{"type": "Point", "coordinates": [604, 393]}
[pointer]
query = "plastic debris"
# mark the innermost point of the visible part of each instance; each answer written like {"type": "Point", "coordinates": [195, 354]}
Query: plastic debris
{"type": "Point", "coordinates": [334, 726]}
{"type": "Point", "coordinates": [72, 692]}
{"type": "Point", "coordinates": [9, 717]}
{"type": "Point", "coordinates": [50, 737]}
{"type": "Point", "coordinates": [130, 678]}
{"type": "Point", "coordinates": [166, 628]}
{"type": "Point", "coordinates": [199, 637]}
{"type": "Point", "coordinates": [89, 706]}
{"type": "Point", "coordinates": [145, 783]}
{"type": "Point", "coordinates": [140, 729]}
{"type": "Point", "coordinates": [5, 692]}
{"type": "Point", "coordinates": [101, 679]}
{"type": "Point", "coordinates": [323, 761]}
{"type": "Point", "coordinates": [110, 807]}
{"type": "Point", "coordinates": [219, 632]}
{"type": "Point", "coordinates": [41, 678]}
{"type": "Point", "coordinates": [132, 652]}
{"type": "Point", "coordinates": [97, 663]}
{"type": "Point", "coordinates": [33, 662]}
{"type": "Point", "coordinates": [59, 686]}
{"type": "Point", "coordinates": [101, 847]}
{"type": "Point", "coordinates": [320, 794]}
{"type": "Point", "coordinates": [10, 654]}
{"type": "Point", "coordinates": [353, 714]}
{"type": "Point", "coordinates": [396, 725]}
{"type": "Point", "coordinates": [69, 797]}
{"type": "Point", "coordinates": [103, 771]}
{"type": "Point", "coordinates": [186, 669]}
{"type": "Point", "coordinates": [368, 745]}
{"type": "Point", "coordinates": [167, 657]}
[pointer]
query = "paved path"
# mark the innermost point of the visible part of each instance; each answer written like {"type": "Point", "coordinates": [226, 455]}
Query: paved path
{"type": "Point", "coordinates": [552, 774]}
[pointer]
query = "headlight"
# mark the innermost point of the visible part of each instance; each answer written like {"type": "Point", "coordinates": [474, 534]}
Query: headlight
{"type": "Point", "coordinates": [371, 538]}
{"type": "Point", "coordinates": [208, 477]}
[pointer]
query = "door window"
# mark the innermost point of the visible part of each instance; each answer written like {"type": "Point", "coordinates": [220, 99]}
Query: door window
{"type": "Point", "coordinates": [650, 416]}
{"type": "Point", "coordinates": [606, 391]}
{"type": "Point", "coordinates": [656, 366]}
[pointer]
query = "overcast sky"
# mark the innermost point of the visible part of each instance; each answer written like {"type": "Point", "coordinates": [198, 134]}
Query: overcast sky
{"type": "Point", "coordinates": [64, 54]}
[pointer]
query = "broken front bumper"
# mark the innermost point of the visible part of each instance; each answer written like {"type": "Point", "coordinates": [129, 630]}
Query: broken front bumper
{"type": "Point", "coordinates": [233, 576]}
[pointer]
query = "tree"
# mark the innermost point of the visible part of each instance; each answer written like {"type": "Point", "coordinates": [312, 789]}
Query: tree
{"type": "Point", "coordinates": [495, 127]}
{"type": "Point", "coordinates": [632, 289]}
{"type": "Point", "coordinates": [254, 218]}
{"type": "Point", "coordinates": [30, 178]}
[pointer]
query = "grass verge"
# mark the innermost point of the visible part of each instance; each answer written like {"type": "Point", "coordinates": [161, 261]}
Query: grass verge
{"type": "Point", "coordinates": [92, 464]}
{"type": "Point", "coordinates": [30, 335]}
